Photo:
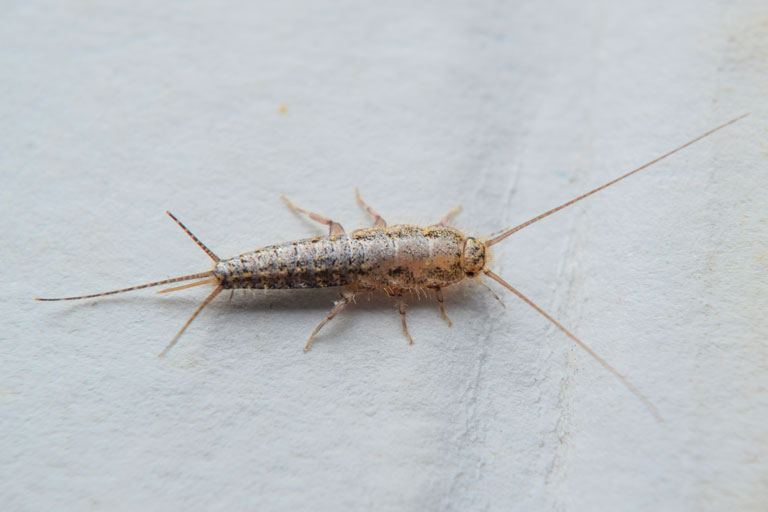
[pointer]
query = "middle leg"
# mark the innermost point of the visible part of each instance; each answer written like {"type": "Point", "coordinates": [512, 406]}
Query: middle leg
{"type": "Point", "coordinates": [401, 308]}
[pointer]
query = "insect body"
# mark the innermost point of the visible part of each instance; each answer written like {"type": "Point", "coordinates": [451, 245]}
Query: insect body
{"type": "Point", "coordinates": [394, 259]}
{"type": "Point", "coordinates": [400, 257]}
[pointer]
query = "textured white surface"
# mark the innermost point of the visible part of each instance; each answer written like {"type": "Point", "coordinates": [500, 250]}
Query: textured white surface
{"type": "Point", "coordinates": [113, 112]}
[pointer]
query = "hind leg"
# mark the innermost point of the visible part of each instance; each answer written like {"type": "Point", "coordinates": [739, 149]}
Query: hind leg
{"type": "Point", "coordinates": [378, 221]}
{"type": "Point", "coordinates": [334, 228]}
{"type": "Point", "coordinates": [346, 297]}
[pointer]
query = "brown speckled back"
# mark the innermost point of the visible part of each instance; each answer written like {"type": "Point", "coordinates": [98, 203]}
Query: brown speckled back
{"type": "Point", "coordinates": [394, 258]}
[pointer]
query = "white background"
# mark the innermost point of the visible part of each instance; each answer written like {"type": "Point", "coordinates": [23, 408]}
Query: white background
{"type": "Point", "coordinates": [112, 112]}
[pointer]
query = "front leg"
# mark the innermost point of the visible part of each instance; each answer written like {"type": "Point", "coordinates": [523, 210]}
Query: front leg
{"type": "Point", "coordinates": [444, 221]}
{"type": "Point", "coordinates": [439, 297]}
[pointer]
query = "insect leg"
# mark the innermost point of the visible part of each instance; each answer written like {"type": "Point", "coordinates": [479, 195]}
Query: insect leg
{"type": "Point", "coordinates": [378, 221]}
{"type": "Point", "coordinates": [444, 221]}
{"type": "Point", "coordinates": [334, 228]}
{"type": "Point", "coordinates": [478, 281]}
{"type": "Point", "coordinates": [439, 297]}
{"type": "Point", "coordinates": [346, 297]}
{"type": "Point", "coordinates": [401, 308]}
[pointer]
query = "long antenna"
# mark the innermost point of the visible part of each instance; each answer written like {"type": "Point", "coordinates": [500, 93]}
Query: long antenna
{"type": "Point", "coordinates": [505, 234]}
{"type": "Point", "coordinates": [591, 352]}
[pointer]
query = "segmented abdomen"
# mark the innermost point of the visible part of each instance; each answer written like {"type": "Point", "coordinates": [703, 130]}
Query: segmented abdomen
{"type": "Point", "coordinates": [399, 257]}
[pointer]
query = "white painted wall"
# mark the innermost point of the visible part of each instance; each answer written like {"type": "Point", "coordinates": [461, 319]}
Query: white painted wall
{"type": "Point", "coordinates": [113, 112]}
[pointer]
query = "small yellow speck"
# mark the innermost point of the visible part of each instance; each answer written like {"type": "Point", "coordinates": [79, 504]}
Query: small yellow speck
{"type": "Point", "coordinates": [282, 109]}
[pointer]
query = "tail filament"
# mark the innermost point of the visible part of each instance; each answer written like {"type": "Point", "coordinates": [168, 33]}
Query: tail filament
{"type": "Point", "coordinates": [207, 301]}
{"type": "Point", "coordinates": [189, 277]}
